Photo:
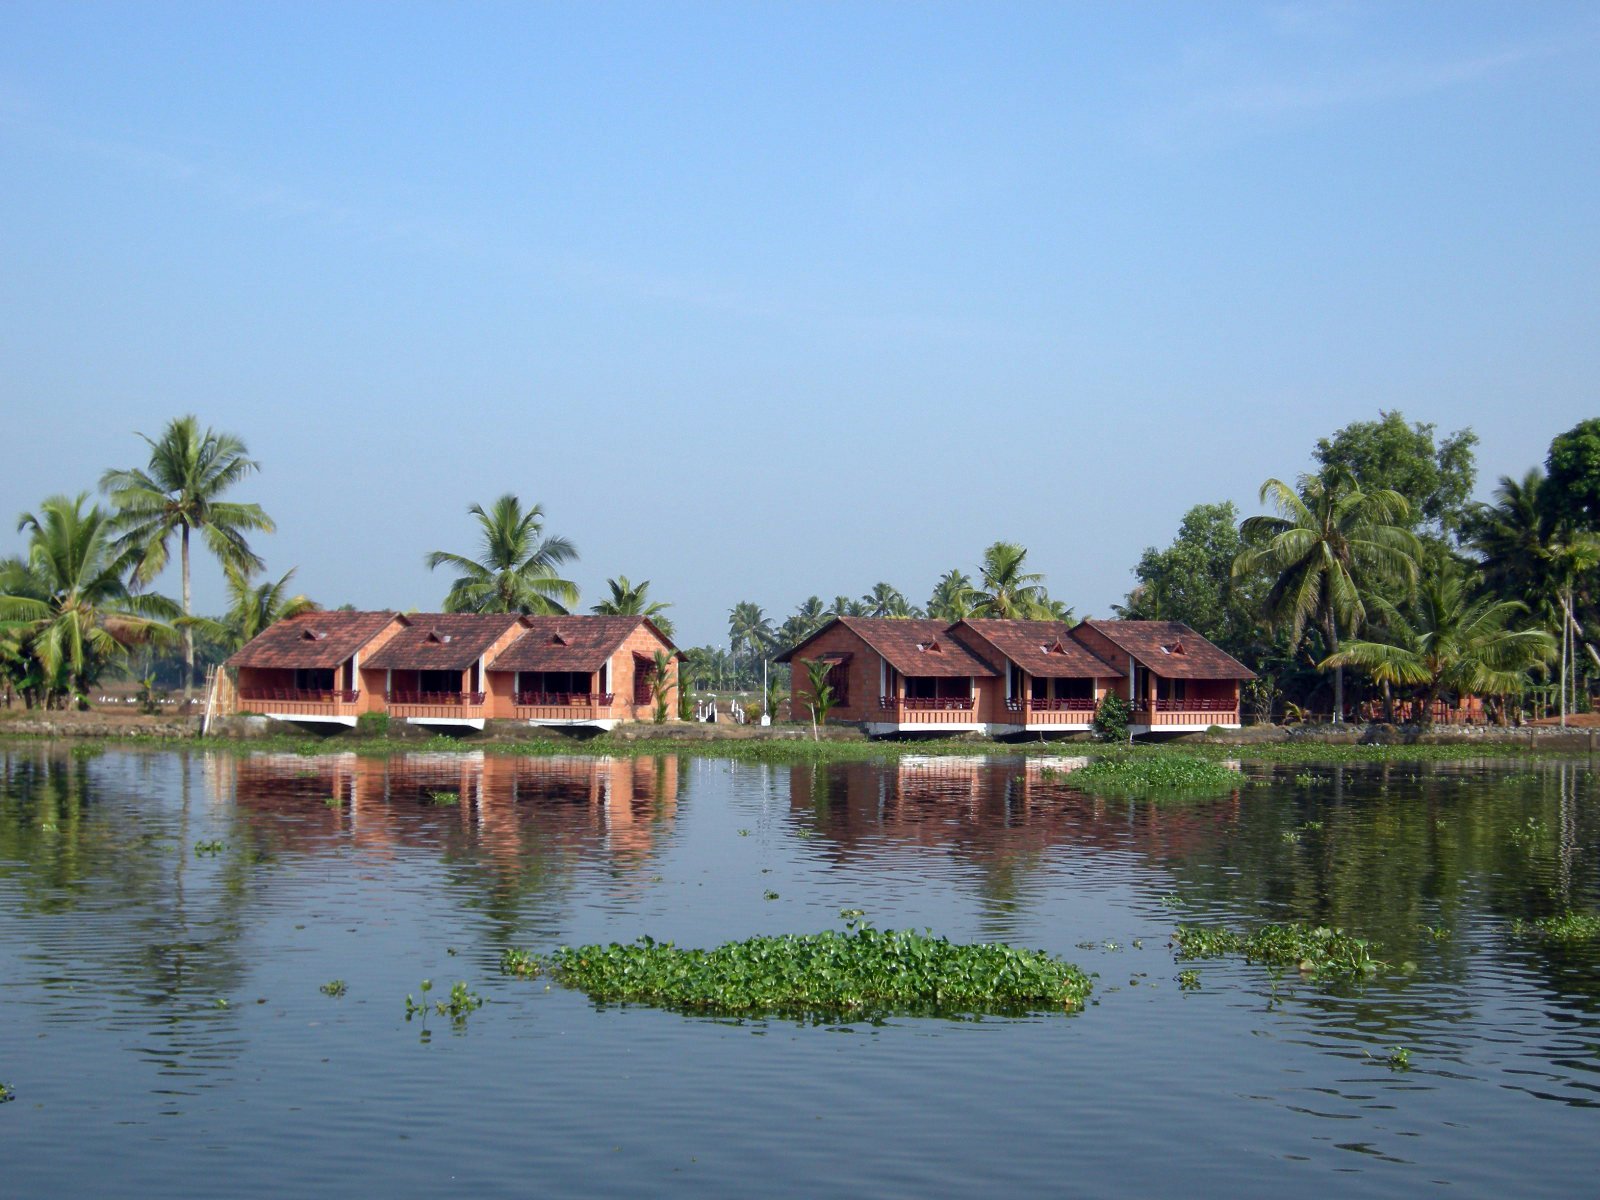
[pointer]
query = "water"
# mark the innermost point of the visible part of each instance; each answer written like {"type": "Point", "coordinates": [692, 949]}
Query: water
{"type": "Point", "coordinates": [120, 946]}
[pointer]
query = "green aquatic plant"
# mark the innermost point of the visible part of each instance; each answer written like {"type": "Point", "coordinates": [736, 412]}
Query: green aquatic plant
{"type": "Point", "coordinates": [442, 799]}
{"type": "Point", "coordinates": [215, 846]}
{"type": "Point", "coordinates": [334, 801]}
{"type": "Point", "coordinates": [521, 963]}
{"type": "Point", "coordinates": [1311, 949]}
{"type": "Point", "coordinates": [769, 895]}
{"type": "Point", "coordinates": [860, 974]}
{"type": "Point", "coordinates": [6, 1093]}
{"type": "Point", "coordinates": [1307, 778]}
{"type": "Point", "coordinates": [334, 988]}
{"type": "Point", "coordinates": [1528, 832]}
{"type": "Point", "coordinates": [1399, 1058]}
{"type": "Point", "coordinates": [1570, 928]}
{"type": "Point", "coordinates": [1155, 774]}
{"type": "Point", "coordinates": [1189, 980]}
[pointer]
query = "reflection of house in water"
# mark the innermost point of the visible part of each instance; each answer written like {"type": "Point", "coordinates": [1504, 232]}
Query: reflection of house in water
{"type": "Point", "coordinates": [1004, 818]}
{"type": "Point", "coordinates": [507, 806]}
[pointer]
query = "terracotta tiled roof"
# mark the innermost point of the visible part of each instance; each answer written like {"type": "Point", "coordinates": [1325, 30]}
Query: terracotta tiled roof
{"type": "Point", "coordinates": [1171, 649]}
{"type": "Point", "coordinates": [312, 640]}
{"type": "Point", "coordinates": [910, 646]}
{"type": "Point", "coordinates": [1044, 649]}
{"type": "Point", "coordinates": [442, 641]}
{"type": "Point", "coordinates": [570, 643]}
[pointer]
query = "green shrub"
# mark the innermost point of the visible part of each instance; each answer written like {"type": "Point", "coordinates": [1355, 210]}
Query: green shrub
{"type": "Point", "coordinates": [373, 724]}
{"type": "Point", "coordinates": [1111, 719]}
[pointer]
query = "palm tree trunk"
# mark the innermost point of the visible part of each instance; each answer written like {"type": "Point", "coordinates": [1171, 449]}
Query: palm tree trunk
{"type": "Point", "coordinates": [188, 630]}
{"type": "Point", "coordinates": [1338, 672]}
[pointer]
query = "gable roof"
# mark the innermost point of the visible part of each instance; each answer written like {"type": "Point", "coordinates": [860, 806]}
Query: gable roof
{"type": "Point", "coordinates": [575, 643]}
{"type": "Point", "coordinates": [912, 646]}
{"type": "Point", "coordinates": [312, 640]}
{"type": "Point", "coordinates": [1171, 649]}
{"type": "Point", "coordinates": [442, 641]}
{"type": "Point", "coordinates": [1044, 649]}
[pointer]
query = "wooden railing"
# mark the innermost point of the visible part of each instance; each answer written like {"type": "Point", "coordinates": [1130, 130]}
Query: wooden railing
{"type": "Point", "coordinates": [929, 710]}
{"type": "Point", "coordinates": [299, 702]}
{"type": "Point", "coordinates": [310, 695]}
{"type": "Point", "coordinates": [1073, 710]}
{"type": "Point", "coordinates": [1218, 711]}
{"type": "Point", "coordinates": [564, 706]}
{"type": "Point", "coordinates": [567, 699]}
{"type": "Point", "coordinates": [442, 705]}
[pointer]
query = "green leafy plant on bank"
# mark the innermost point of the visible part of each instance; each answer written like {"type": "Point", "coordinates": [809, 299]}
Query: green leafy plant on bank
{"type": "Point", "coordinates": [1111, 719]}
{"type": "Point", "coordinates": [862, 973]}
{"type": "Point", "coordinates": [1310, 949]}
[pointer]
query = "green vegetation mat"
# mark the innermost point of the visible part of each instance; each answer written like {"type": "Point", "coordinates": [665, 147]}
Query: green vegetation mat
{"type": "Point", "coordinates": [1569, 928]}
{"type": "Point", "coordinates": [864, 973]}
{"type": "Point", "coordinates": [1153, 774]}
{"type": "Point", "coordinates": [1313, 949]}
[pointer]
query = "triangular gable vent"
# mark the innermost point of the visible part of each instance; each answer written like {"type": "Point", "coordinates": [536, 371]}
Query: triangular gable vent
{"type": "Point", "coordinates": [930, 647]}
{"type": "Point", "coordinates": [441, 639]}
{"type": "Point", "coordinates": [1056, 647]}
{"type": "Point", "coordinates": [312, 635]}
{"type": "Point", "coordinates": [557, 640]}
{"type": "Point", "coordinates": [1175, 648]}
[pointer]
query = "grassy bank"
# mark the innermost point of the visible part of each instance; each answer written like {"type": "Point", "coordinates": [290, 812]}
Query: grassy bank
{"type": "Point", "coordinates": [798, 750]}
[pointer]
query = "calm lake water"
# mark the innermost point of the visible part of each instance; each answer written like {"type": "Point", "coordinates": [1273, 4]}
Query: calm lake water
{"type": "Point", "coordinates": [162, 1026]}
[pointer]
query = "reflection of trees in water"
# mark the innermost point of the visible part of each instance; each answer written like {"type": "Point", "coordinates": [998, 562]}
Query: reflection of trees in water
{"type": "Point", "coordinates": [113, 895]}
{"type": "Point", "coordinates": [510, 833]}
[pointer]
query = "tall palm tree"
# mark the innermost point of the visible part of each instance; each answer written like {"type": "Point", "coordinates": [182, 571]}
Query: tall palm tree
{"type": "Point", "coordinates": [809, 617]}
{"type": "Point", "coordinates": [1447, 641]}
{"type": "Point", "coordinates": [516, 571]}
{"type": "Point", "coordinates": [71, 599]}
{"type": "Point", "coordinates": [953, 597]}
{"type": "Point", "coordinates": [179, 491]}
{"type": "Point", "coordinates": [1510, 536]}
{"type": "Point", "coordinates": [749, 630]}
{"type": "Point", "coordinates": [1329, 538]}
{"type": "Point", "coordinates": [252, 608]}
{"type": "Point", "coordinates": [1004, 589]}
{"type": "Point", "coordinates": [633, 600]}
{"type": "Point", "coordinates": [885, 600]}
{"type": "Point", "coordinates": [843, 606]}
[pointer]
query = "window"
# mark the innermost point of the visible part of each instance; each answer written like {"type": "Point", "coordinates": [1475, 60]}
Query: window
{"type": "Point", "coordinates": [839, 680]}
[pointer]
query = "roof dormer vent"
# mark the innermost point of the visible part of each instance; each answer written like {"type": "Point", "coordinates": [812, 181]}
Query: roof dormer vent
{"type": "Point", "coordinates": [437, 638]}
{"type": "Point", "coordinates": [557, 640]}
{"type": "Point", "coordinates": [312, 635]}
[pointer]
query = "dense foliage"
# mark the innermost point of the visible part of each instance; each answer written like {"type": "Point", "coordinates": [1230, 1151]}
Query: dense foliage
{"type": "Point", "coordinates": [859, 974]}
{"type": "Point", "coordinates": [1153, 775]}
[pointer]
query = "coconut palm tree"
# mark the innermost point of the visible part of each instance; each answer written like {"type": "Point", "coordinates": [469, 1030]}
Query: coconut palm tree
{"type": "Point", "coordinates": [1004, 589]}
{"type": "Point", "coordinates": [632, 600]}
{"type": "Point", "coordinates": [1448, 641]}
{"type": "Point", "coordinates": [70, 598]}
{"type": "Point", "coordinates": [516, 570]}
{"type": "Point", "coordinates": [179, 491]}
{"type": "Point", "coordinates": [252, 608]}
{"type": "Point", "coordinates": [1329, 539]}
{"type": "Point", "coordinates": [953, 597]}
{"type": "Point", "coordinates": [843, 606]}
{"type": "Point", "coordinates": [749, 630]}
{"type": "Point", "coordinates": [885, 600]}
{"type": "Point", "coordinates": [1511, 536]}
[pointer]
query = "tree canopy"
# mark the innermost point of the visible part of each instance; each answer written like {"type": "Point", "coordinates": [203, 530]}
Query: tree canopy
{"type": "Point", "coordinates": [1435, 477]}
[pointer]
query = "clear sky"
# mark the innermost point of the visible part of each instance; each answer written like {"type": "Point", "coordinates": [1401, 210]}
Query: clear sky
{"type": "Point", "coordinates": [761, 300]}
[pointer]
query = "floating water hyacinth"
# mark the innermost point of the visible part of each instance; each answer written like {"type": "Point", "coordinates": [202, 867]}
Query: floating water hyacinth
{"type": "Point", "coordinates": [861, 973]}
{"type": "Point", "coordinates": [1313, 949]}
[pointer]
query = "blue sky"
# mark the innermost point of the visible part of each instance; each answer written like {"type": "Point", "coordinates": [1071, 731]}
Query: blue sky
{"type": "Point", "coordinates": [763, 300]}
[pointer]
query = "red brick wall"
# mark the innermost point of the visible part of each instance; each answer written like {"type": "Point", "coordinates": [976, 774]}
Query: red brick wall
{"type": "Point", "coordinates": [862, 673]}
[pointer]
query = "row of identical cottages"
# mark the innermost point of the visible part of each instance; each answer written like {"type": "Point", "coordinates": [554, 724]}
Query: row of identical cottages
{"type": "Point", "coordinates": [890, 676]}
{"type": "Point", "coordinates": [454, 669]}
{"type": "Point", "coordinates": [1005, 678]}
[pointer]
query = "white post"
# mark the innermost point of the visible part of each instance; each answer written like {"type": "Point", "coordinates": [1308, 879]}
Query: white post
{"type": "Point", "coordinates": [766, 717]}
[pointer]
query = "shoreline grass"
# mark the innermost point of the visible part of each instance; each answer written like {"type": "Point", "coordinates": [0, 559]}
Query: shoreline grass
{"type": "Point", "coordinates": [799, 751]}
